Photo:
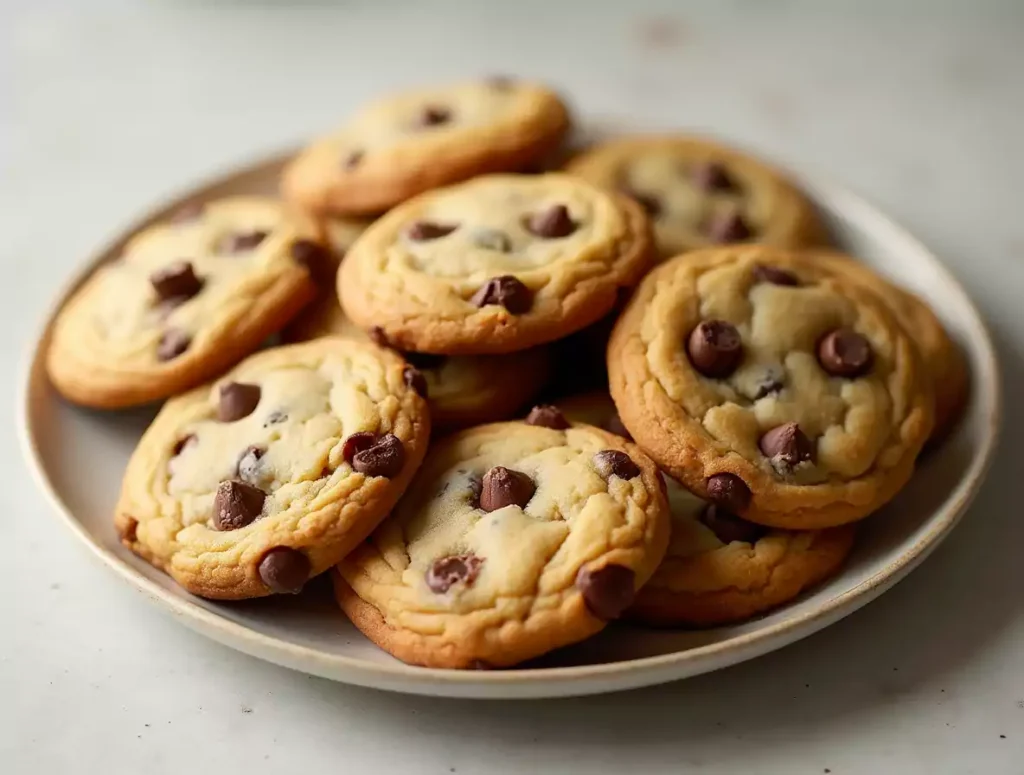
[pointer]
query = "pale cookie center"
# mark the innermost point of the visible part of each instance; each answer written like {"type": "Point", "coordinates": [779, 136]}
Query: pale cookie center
{"type": "Point", "coordinates": [492, 233]}
{"type": "Point", "coordinates": [282, 445]}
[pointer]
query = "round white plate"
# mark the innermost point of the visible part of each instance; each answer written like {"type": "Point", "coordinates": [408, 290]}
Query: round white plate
{"type": "Point", "coordinates": [78, 457]}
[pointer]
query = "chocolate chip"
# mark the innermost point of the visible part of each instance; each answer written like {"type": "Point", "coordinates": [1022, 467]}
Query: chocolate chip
{"type": "Point", "coordinates": [384, 458]}
{"type": "Point", "coordinates": [237, 400]}
{"type": "Point", "coordinates": [356, 443]}
{"type": "Point", "coordinates": [492, 239]}
{"type": "Point", "coordinates": [188, 213]}
{"type": "Point", "coordinates": [614, 425]}
{"type": "Point", "coordinates": [728, 527]}
{"type": "Point", "coordinates": [423, 231]}
{"type": "Point", "coordinates": [551, 223]}
{"type": "Point", "coordinates": [432, 115]}
{"type": "Point", "coordinates": [728, 491]}
{"type": "Point", "coordinates": [712, 176]}
{"type": "Point", "coordinates": [240, 241]}
{"type": "Point", "coordinates": [607, 591]}
{"type": "Point", "coordinates": [612, 462]}
{"type": "Point", "coordinates": [236, 504]}
{"type": "Point", "coordinates": [414, 378]}
{"type": "Point", "coordinates": [507, 291]}
{"type": "Point", "coordinates": [446, 572]}
{"type": "Point", "coordinates": [275, 417]}
{"type": "Point", "coordinates": [425, 360]}
{"type": "Point", "coordinates": [284, 570]}
{"type": "Point", "coordinates": [786, 446]}
{"type": "Point", "coordinates": [181, 443]}
{"type": "Point", "coordinates": [774, 275]}
{"type": "Point", "coordinates": [173, 342]}
{"type": "Point", "coordinates": [377, 335]}
{"type": "Point", "coordinates": [503, 487]}
{"type": "Point", "coordinates": [845, 353]}
{"type": "Point", "coordinates": [650, 203]}
{"type": "Point", "coordinates": [715, 348]}
{"type": "Point", "coordinates": [248, 469]}
{"type": "Point", "coordinates": [547, 416]}
{"type": "Point", "coordinates": [314, 257]}
{"type": "Point", "coordinates": [176, 281]}
{"type": "Point", "coordinates": [728, 226]}
{"type": "Point", "coordinates": [352, 160]}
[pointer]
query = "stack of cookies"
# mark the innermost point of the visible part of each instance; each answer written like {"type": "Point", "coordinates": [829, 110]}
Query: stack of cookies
{"type": "Point", "coordinates": [757, 393]}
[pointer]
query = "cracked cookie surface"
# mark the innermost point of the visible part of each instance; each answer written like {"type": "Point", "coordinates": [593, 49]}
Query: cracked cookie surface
{"type": "Point", "coordinates": [721, 569]}
{"type": "Point", "coordinates": [185, 300]}
{"type": "Point", "coordinates": [407, 143]}
{"type": "Point", "coordinates": [771, 386]}
{"type": "Point", "coordinates": [700, 193]}
{"type": "Point", "coordinates": [943, 359]}
{"type": "Point", "coordinates": [269, 476]}
{"type": "Point", "coordinates": [513, 540]}
{"type": "Point", "coordinates": [498, 264]}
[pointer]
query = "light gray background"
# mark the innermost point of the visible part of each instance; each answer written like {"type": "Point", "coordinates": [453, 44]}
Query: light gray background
{"type": "Point", "coordinates": [106, 112]}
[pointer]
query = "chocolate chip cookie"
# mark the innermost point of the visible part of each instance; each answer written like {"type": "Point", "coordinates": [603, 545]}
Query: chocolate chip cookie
{"type": "Point", "coordinates": [699, 193]}
{"type": "Point", "coordinates": [462, 390]}
{"type": "Point", "coordinates": [943, 359]}
{"type": "Point", "coordinates": [256, 483]}
{"type": "Point", "coordinates": [184, 301]}
{"type": "Point", "coordinates": [408, 143]}
{"type": "Point", "coordinates": [514, 539]}
{"type": "Point", "coordinates": [498, 264]}
{"type": "Point", "coordinates": [777, 389]}
{"type": "Point", "coordinates": [719, 568]}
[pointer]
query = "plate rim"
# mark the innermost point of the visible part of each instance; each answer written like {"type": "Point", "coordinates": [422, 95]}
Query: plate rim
{"type": "Point", "coordinates": [534, 682]}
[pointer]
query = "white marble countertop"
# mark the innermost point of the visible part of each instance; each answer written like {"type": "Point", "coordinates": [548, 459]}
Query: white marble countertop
{"type": "Point", "coordinates": [109, 111]}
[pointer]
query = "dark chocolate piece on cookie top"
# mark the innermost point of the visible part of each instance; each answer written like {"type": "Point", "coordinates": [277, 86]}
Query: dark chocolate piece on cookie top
{"type": "Point", "coordinates": [352, 160]}
{"type": "Point", "coordinates": [547, 416]}
{"type": "Point", "coordinates": [552, 223]}
{"type": "Point", "coordinates": [173, 342]}
{"type": "Point", "coordinates": [712, 176]}
{"type": "Point", "coordinates": [715, 348]}
{"type": "Point", "coordinates": [613, 462]}
{"type": "Point", "coordinates": [424, 231]}
{"type": "Point", "coordinates": [385, 457]}
{"type": "Point", "coordinates": [506, 291]}
{"type": "Point", "coordinates": [434, 115]}
{"type": "Point", "coordinates": [240, 242]}
{"type": "Point", "coordinates": [845, 353]}
{"type": "Point", "coordinates": [446, 572]}
{"type": "Point", "coordinates": [728, 226]}
{"type": "Point", "coordinates": [786, 446]}
{"type": "Point", "coordinates": [501, 487]}
{"type": "Point", "coordinates": [236, 504]}
{"type": "Point", "coordinates": [177, 280]}
{"type": "Point", "coordinates": [237, 400]}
